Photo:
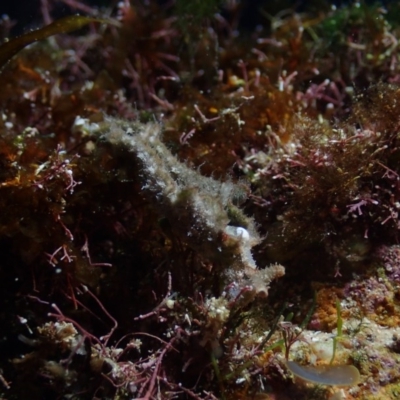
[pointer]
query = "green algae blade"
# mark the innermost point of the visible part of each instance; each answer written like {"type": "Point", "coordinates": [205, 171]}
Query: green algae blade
{"type": "Point", "coordinates": [62, 25]}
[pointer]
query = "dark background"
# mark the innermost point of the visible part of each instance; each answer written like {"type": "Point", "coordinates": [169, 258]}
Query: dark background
{"type": "Point", "coordinates": [27, 13]}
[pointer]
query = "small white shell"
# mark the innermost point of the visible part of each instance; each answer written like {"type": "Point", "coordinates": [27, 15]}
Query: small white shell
{"type": "Point", "coordinates": [238, 232]}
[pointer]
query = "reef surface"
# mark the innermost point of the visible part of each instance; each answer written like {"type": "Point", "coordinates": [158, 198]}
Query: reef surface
{"type": "Point", "coordinates": [200, 200]}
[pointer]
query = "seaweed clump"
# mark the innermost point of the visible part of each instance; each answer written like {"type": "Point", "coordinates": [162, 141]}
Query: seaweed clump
{"type": "Point", "coordinates": [155, 185]}
{"type": "Point", "coordinates": [334, 187]}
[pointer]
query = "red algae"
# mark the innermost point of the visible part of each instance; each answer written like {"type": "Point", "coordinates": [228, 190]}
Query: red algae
{"type": "Point", "coordinates": [159, 174]}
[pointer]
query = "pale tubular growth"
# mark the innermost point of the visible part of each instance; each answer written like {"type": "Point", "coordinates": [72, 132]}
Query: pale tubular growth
{"type": "Point", "coordinates": [333, 375]}
{"type": "Point", "coordinates": [258, 279]}
{"type": "Point", "coordinates": [201, 209]}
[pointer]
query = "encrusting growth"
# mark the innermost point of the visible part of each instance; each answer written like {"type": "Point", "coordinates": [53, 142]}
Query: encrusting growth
{"type": "Point", "coordinates": [201, 209]}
